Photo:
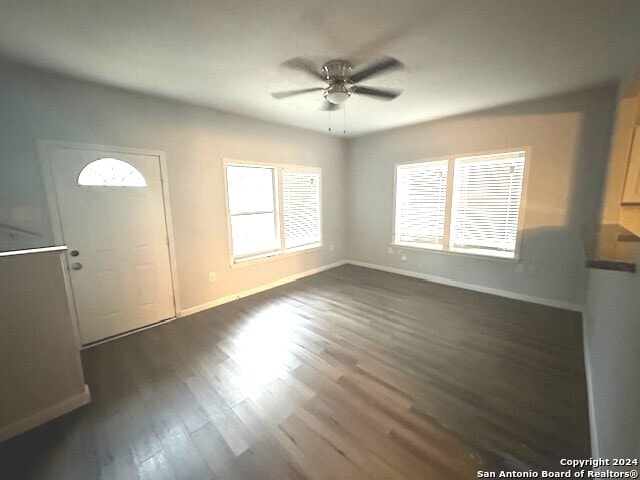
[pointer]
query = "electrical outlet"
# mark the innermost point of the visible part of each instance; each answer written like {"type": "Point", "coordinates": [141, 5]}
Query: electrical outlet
{"type": "Point", "coordinates": [331, 247]}
{"type": "Point", "coordinates": [404, 258]}
{"type": "Point", "coordinates": [390, 250]}
{"type": "Point", "coordinates": [212, 276]}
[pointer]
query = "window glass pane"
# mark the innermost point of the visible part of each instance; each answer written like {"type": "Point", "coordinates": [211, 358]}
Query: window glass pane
{"type": "Point", "coordinates": [250, 189]}
{"type": "Point", "coordinates": [421, 194]}
{"type": "Point", "coordinates": [301, 209]}
{"type": "Point", "coordinates": [486, 204]}
{"type": "Point", "coordinates": [254, 234]}
{"type": "Point", "coordinates": [111, 172]}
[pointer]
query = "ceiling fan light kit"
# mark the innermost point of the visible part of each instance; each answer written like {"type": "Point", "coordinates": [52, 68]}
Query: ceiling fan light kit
{"type": "Point", "coordinates": [337, 93]}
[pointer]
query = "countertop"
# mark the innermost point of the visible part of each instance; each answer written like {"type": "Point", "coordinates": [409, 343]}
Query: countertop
{"type": "Point", "coordinates": [610, 247]}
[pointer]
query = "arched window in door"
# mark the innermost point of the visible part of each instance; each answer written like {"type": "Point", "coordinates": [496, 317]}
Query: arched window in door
{"type": "Point", "coordinates": [111, 172]}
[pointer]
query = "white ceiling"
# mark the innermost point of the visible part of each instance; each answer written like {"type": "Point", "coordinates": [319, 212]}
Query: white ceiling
{"type": "Point", "coordinates": [460, 55]}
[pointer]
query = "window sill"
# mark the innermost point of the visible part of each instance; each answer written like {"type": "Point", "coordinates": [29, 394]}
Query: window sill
{"type": "Point", "coordinates": [438, 250]}
{"type": "Point", "coordinates": [272, 256]}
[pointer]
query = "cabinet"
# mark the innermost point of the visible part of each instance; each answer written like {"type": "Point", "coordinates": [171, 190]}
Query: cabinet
{"type": "Point", "coordinates": [632, 184]}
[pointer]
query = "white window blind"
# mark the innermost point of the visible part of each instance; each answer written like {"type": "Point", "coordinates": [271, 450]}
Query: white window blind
{"type": "Point", "coordinates": [252, 210]}
{"type": "Point", "coordinates": [421, 195]}
{"type": "Point", "coordinates": [301, 209]}
{"type": "Point", "coordinates": [486, 203]}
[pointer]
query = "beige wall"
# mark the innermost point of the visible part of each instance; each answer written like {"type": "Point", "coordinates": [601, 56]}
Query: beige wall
{"type": "Point", "coordinates": [41, 375]}
{"type": "Point", "coordinates": [569, 139]}
{"type": "Point", "coordinates": [36, 105]}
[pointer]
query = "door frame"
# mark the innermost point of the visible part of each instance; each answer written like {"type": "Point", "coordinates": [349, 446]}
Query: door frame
{"type": "Point", "coordinates": [45, 147]}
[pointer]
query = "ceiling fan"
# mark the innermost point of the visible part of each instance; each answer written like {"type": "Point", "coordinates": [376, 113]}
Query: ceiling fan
{"type": "Point", "coordinates": [340, 80]}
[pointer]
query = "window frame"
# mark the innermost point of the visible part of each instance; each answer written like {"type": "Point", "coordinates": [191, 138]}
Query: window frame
{"type": "Point", "coordinates": [278, 168]}
{"type": "Point", "coordinates": [446, 243]}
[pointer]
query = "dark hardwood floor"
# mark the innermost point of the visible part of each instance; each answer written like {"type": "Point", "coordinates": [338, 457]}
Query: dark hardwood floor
{"type": "Point", "coordinates": [348, 374]}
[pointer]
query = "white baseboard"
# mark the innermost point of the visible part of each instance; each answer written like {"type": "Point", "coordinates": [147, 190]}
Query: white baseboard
{"type": "Point", "coordinates": [261, 288]}
{"type": "Point", "coordinates": [37, 419]}
{"type": "Point", "coordinates": [593, 429]}
{"type": "Point", "coordinates": [470, 286]}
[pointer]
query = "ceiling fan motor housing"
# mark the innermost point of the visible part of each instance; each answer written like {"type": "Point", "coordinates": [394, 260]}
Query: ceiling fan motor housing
{"type": "Point", "coordinates": [337, 70]}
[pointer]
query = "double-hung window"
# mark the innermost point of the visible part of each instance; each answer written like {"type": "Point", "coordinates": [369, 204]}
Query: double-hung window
{"type": "Point", "coordinates": [253, 210]}
{"type": "Point", "coordinates": [272, 210]}
{"type": "Point", "coordinates": [470, 204]}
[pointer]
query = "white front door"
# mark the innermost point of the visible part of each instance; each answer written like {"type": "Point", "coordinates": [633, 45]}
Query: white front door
{"type": "Point", "coordinates": [113, 222]}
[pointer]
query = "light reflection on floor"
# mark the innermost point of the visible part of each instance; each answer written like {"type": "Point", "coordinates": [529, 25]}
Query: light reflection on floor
{"type": "Point", "coordinates": [261, 351]}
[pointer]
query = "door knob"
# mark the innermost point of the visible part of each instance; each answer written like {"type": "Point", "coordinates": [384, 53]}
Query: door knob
{"type": "Point", "coordinates": [76, 266]}
{"type": "Point", "coordinates": [74, 253]}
